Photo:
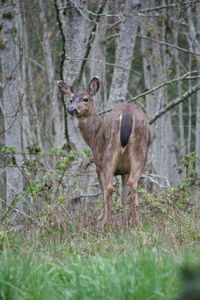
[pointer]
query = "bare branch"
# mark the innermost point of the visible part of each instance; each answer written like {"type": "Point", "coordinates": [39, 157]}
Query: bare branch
{"type": "Point", "coordinates": [12, 75]}
{"type": "Point", "coordinates": [174, 103]}
{"type": "Point", "coordinates": [169, 45]}
{"type": "Point", "coordinates": [168, 6]}
{"type": "Point", "coordinates": [184, 76]}
{"type": "Point", "coordinates": [99, 61]}
{"type": "Point", "coordinates": [13, 116]}
{"type": "Point", "coordinates": [37, 64]}
{"type": "Point", "coordinates": [89, 42]}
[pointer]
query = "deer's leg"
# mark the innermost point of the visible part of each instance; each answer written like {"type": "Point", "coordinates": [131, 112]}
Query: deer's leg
{"type": "Point", "coordinates": [108, 172]}
{"type": "Point", "coordinates": [124, 199]}
{"type": "Point", "coordinates": [107, 196]}
{"type": "Point", "coordinates": [135, 173]}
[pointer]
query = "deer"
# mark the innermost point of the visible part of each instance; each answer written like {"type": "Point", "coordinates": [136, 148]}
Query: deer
{"type": "Point", "coordinates": [119, 144]}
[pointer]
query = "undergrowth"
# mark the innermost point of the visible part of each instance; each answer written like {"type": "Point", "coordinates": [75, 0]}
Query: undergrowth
{"type": "Point", "coordinates": [88, 263]}
{"type": "Point", "coordinates": [55, 254]}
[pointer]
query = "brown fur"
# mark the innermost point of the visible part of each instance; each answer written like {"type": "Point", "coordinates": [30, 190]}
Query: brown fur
{"type": "Point", "coordinates": [110, 158]}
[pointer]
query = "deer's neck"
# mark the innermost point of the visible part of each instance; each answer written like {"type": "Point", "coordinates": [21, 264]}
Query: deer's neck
{"type": "Point", "coordinates": [89, 128]}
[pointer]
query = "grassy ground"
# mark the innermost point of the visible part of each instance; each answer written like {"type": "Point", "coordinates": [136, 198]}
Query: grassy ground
{"type": "Point", "coordinates": [143, 263]}
{"type": "Point", "coordinates": [58, 260]}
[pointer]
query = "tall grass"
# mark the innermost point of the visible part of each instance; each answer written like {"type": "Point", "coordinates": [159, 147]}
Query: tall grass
{"type": "Point", "coordinates": [146, 274]}
{"type": "Point", "coordinates": [63, 262]}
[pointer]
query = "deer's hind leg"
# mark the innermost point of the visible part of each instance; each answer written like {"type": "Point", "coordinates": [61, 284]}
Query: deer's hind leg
{"type": "Point", "coordinates": [124, 199]}
{"type": "Point", "coordinates": [109, 165]}
{"type": "Point", "coordinates": [138, 161]}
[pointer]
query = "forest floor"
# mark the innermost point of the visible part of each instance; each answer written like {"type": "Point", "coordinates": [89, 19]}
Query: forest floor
{"type": "Point", "coordinates": [73, 262]}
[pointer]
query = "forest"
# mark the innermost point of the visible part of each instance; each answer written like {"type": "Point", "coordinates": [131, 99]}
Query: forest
{"type": "Point", "coordinates": [145, 52]}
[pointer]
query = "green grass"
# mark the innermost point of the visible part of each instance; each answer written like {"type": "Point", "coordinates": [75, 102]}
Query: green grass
{"type": "Point", "coordinates": [60, 260]}
{"type": "Point", "coordinates": [148, 274]}
{"type": "Point", "coordinates": [116, 264]}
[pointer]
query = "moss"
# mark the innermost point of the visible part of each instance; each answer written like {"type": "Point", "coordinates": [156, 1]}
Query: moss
{"type": "Point", "coordinates": [14, 30]}
{"type": "Point", "coordinates": [2, 45]}
{"type": "Point", "coordinates": [7, 15]}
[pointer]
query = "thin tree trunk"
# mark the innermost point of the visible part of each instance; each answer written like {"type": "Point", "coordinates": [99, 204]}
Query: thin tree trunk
{"type": "Point", "coordinates": [194, 36]}
{"type": "Point", "coordinates": [189, 114]}
{"type": "Point", "coordinates": [182, 147]}
{"type": "Point", "coordinates": [11, 57]}
{"type": "Point", "coordinates": [197, 141]}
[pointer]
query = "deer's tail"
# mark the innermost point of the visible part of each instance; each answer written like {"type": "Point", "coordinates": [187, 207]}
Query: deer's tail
{"type": "Point", "coordinates": [126, 128]}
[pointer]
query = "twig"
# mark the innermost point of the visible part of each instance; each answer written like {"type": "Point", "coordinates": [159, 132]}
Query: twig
{"type": "Point", "coordinates": [37, 64]}
{"type": "Point", "coordinates": [8, 207]}
{"type": "Point", "coordinates": [14, 116]}
{"type": "Point", "coordinates": [22, 213]}
{"type": "Point", "coordinates": [11, 75]}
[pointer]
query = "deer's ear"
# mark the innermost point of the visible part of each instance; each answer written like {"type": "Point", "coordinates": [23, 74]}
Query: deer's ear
{"type": "Point", "coordinates": [94, 85]}
{"type": "Point", "coordinates": [64, 88]}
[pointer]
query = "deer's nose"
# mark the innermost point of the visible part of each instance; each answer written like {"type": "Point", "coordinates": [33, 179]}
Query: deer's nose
{"type": "Point", "coordinates": [72, 110]}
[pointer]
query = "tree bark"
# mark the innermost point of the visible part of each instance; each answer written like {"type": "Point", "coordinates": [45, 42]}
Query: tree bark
{"type": "Point", "coordinates": [11, 57]}
{"type": "Point", "coordinates": [197, 140]}
{"type": "Point", "coordinates": [164, 161]}
{"type": "Point", "coordinates": [56, 113]}
{"type": "Point", "coordinates": [74, 33]}
{"type": "Point", "coordinates": [194, 36]}
{"type": "Point", "coordinates": [182, 148]}
{"type": "Point", "coordinates": [124, 52]}
{"type": "Point", "coordinates": [98, 55]}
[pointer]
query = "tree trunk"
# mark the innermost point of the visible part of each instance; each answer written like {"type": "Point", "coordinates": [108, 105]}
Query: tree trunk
{"type": "Point", "coordinates": [182, 147]}
{"type": "Point", "coordinates": [74, 32]}
{"type": "Point", "coordinates": [11, 57]}
{"type": "Point", "coordinates": [56, 114]}
{"type": "Point", "coordinates": [194, 36]}
{"type": "Point", "coordinates": [124, 52]}
{"type": "Point", "coordinates": [197, 140]}
{"type": "Point", "coordinates": [164, 161]}
{"type": "Point", "coordinates": [97, 57]}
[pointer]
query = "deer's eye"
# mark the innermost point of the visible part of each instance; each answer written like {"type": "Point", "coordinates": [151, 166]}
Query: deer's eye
{"type": "Point", "coordinates": [85, 99]}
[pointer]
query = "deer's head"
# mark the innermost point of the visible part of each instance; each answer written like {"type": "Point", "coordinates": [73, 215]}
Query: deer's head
{"type": "Point", "coordinates": [81, 104]}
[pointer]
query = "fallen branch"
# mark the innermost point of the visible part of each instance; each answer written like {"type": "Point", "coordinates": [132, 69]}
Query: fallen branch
{"type": "Point", "coordinates": [174, 103]}
{"type": "Point", "coordinates": [151, 178]}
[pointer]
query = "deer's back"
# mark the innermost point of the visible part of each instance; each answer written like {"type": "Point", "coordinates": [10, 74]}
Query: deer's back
{"type": "Point", "coordinates": [125, 129]}
{"type": "Point", "coordinates": [125, 121]}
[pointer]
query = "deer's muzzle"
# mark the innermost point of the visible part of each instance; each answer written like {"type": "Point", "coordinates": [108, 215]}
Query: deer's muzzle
{"type": "Point", "coordinates": [72, 111]}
